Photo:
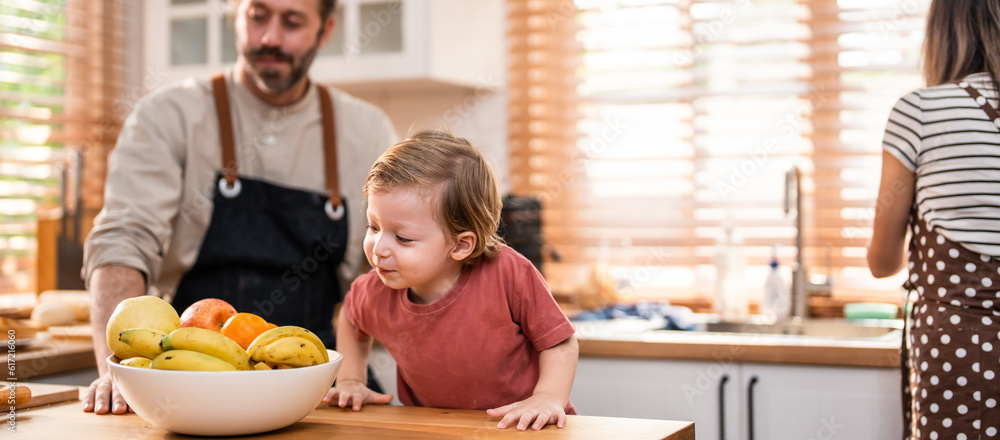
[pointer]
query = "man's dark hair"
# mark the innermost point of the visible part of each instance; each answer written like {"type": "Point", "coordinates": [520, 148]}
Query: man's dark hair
{"type": "Point", "coordinates": [326, 7]}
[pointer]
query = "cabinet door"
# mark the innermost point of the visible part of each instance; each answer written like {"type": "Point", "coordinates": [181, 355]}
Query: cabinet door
{"type": "Point", "coordinates": [659, 389]}
{"type": "Point", "coordinates": [800, 402]}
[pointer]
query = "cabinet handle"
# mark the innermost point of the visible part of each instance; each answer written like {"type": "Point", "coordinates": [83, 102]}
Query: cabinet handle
{"type": "Point", "coordinates": [722, 406]}
{"type": "Point", "coordinates": [753, 382]}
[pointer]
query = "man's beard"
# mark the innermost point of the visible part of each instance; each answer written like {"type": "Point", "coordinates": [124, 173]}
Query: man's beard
{"type": "Point", "coordinates": [271, 80]}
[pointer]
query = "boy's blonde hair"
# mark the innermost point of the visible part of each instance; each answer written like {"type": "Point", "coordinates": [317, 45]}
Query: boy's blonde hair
{"type": "Point", "coordinates": [470, 196]}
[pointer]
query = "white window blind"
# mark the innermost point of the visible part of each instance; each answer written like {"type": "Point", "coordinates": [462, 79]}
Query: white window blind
{"type": "Point", "coordinates": [686, 115]}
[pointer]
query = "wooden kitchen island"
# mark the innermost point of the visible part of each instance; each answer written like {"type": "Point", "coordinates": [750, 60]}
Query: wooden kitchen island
{"type": "Point", "coordinates": [67, 420]}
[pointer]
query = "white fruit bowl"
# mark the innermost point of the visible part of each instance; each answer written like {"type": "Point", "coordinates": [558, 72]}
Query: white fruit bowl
{"type": "Point", "coordinates": [227, 402]}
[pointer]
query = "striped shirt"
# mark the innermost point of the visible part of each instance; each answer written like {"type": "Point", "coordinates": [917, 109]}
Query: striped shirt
{"type": "Point", "coordinates": [943, 136]}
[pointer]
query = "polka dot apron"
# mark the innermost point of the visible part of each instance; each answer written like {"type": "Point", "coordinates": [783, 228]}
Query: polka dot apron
{"type": "Point", "coordinates": [950, 367]}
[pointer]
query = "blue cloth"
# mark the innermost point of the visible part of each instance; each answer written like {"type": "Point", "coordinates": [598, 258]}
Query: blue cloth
{"type": "Point", "coordinates": [676, 317]}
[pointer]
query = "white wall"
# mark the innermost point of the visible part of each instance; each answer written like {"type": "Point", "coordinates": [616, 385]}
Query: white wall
{"type": "Point", "coordinates": [479, 115]}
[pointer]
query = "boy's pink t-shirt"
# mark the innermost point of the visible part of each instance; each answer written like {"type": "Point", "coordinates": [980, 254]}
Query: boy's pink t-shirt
{"type": "Point", "coordinates": [475, 348]}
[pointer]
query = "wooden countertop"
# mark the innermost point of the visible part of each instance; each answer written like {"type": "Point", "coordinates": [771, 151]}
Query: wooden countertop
{"type": "Point", "coordinates": [753, 348]}
{"type": "Point", "coordinates": [374, 422]}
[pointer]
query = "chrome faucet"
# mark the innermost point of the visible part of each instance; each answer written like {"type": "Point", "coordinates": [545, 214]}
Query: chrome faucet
{"type": "Point", "coordinates": [802, 288]}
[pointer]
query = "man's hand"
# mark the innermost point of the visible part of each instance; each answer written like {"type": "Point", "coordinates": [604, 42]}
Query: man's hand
{"type": "Point", "coordinates": [536, 411]}
{"type": "Point", "coordinates": [103, 396]}
{"type": "Point", "coordinates": [354, 393]}
{"type": "Point", "coordinates": [109, 285]}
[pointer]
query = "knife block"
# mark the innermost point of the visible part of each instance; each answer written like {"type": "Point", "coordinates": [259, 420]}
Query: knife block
{"type": "Point", "coordinates": [56, 269]}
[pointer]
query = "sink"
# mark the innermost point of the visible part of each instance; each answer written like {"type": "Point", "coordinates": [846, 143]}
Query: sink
{"type": "Point", "coordinates": [832, 328]}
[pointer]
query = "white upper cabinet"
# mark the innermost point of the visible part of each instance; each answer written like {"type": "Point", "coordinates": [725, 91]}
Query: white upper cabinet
{"type": "Point", "coordinates": [377, 44]}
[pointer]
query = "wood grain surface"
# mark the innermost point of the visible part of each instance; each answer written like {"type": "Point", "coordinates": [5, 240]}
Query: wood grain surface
{"type": "Point", "coordinates": [374, 422]}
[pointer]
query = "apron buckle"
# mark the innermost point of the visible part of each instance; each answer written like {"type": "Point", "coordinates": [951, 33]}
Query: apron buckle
{"type": "Point", "coordinates": [335, 214]}
{"type": "Point", "coordinates": [231, 192]}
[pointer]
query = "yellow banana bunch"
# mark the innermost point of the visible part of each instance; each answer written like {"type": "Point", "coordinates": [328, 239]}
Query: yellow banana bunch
{"type": "Point", "coordinates": [209, 343]}
{"type": "Point", "coordinates": [288, 346]}
{"type": "Point", "coordinates": [292, 351]}
{"type": "Point", "coordinates": [138, 362]}
{"type": "Point", "coordinates": [189, 360]}
{"type": "Point", "coordinates": [145, 341]}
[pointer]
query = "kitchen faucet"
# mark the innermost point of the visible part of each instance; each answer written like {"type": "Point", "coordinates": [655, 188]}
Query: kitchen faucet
{"type": "Point", "coordinates": [802, 288]}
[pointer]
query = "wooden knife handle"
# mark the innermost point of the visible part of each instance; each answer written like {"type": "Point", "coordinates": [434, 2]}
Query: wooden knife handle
{"type": "Point", "coordinates": [17, 396]}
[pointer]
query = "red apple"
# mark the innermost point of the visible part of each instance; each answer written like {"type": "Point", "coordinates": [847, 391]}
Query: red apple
{"type": "Point", "coordinates": [208, 313]}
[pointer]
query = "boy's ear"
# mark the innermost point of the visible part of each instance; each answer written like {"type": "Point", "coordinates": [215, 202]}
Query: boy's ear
{"type": "Point", "coordinates": [465, 243]}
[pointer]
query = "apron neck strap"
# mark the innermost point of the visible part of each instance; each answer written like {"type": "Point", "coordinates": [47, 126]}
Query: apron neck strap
{"type": "Point", "coordinates": [230, 170]}
{"type": "Point", "coordinates": [329, 146]}
{"type": "Point", "coordinates": [981, 100]}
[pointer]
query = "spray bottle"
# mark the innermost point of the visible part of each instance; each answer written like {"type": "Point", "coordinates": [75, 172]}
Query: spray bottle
{"type": "Point", "coordinates": [776, 303]}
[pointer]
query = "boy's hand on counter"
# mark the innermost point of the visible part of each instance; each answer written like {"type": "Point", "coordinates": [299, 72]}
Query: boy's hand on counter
{"type": "Point", "coordinates": [354, 393]}
{"type": "Point", "coordinates": [536, 411]}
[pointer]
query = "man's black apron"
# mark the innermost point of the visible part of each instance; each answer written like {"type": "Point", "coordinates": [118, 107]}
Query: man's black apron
{"type": "Point", "coordinates": [270, 250]}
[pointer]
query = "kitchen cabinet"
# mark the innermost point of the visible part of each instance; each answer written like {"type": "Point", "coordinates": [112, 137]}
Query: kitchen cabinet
{"type": "Point", "coordinates": [659, 389]}
{"type": "Point", "coordinates": [724, 398]}
{"type": "Point", "coordinates": [377, 45]}
{"type": "Point", "coordinates": [791, 402]}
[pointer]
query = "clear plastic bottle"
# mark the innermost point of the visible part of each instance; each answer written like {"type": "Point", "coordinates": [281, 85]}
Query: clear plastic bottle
{"type": "Point", "coordinates": [776, 303]}
{"type": "Point", "coordinates": [731, 299]}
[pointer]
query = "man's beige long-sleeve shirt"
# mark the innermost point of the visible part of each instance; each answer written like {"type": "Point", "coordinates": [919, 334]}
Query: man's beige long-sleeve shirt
{"type": "Point", "coordinates": [158, 198]}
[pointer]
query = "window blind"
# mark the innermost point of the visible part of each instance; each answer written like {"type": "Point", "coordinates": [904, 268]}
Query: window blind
{"type": "Point", "coordinates": [647, 127]}
{"type": "Point", "coordinates": [61, 87]}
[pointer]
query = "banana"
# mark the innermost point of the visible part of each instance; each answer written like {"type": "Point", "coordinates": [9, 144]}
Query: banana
{"type": "Point", "coordinates": [138, 362]}
{"type": "Point", "coordinates": [262, 366]}
{"type": "Point", "coordinates": [145, 341]}
{"type": "Point", "coordinates": [207, 342]}
{"type": "Point", "coordinates": [189, 360]}
{"type": "Point", "coordinates": [292, 351]}
{"type": "Point", "coordinates": [285, 331]}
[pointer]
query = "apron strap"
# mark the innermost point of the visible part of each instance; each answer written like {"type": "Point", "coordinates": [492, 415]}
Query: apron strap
{"type": "Point", "coordinates": [983, 103]}
{"type": "Point", "coordinates": [229, 167]}
{"type": "Point", "coordinates": [330, 149]}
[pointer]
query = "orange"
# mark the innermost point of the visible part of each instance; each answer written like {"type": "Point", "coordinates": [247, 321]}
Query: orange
{"type": "Point", "coordinates": [244, 328]}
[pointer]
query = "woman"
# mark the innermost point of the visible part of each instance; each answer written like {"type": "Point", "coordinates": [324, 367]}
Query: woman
{"type": "Point", "coordinates": [941, 182]}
